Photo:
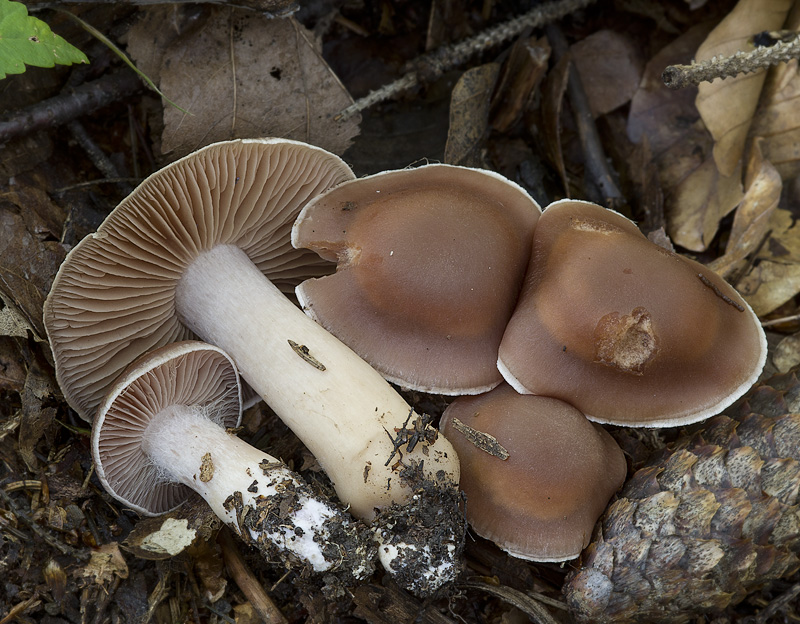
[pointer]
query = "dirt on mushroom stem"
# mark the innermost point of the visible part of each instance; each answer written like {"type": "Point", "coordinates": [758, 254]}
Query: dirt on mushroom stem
{"type": "Point", "coordinates": [348, 546]}
{"type": "Point", "coordinates": [422, 541]}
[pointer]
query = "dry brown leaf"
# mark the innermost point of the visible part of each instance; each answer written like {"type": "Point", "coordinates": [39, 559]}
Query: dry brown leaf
{"type": "Point", "coordinates": [751, 221]}
{"type": "Point", "coordinates": [469, 115]}
{"type": "Point", "coordinates": [30, 253]}
{"type": "Point", "coordinates": [775, 276]}
{"type": "Point", "coordinates": [696, 195]}
{"type": "Point", "coordinates": [36, 417]}
{"type": "Point", "coordinates": [727, 106]}
{"type": "Point", "coordinates": [662, 115]}
{"type": "Point", "coordinates": [12, 323]}
{"type": "Point", "coordinates": [778, 117]}
{"type": "Point", "coordinates": [12, 366]}
{"type": "Point", "coordinates": [520, 75]}
{"type": "Point", "coordinates": [696, 206]}
{"type": "Point", "coordinates": [243, 75]}
{"type": "Point", "coordinates": [778, 122]}
{"type": "Point", "coordinates": [105, 563]}
{"type": "Point", "coordinates": [610, 69]}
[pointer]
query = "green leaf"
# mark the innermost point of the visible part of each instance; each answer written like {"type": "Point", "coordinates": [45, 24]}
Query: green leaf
{"type": "Point", "coordinates": [26, 40]}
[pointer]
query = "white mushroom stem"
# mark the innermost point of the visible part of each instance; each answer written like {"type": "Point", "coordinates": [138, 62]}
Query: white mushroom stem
{"type": "Point", "coordinates": [237, 479]}
{"type": "Point", "coordinates": [337, 404]}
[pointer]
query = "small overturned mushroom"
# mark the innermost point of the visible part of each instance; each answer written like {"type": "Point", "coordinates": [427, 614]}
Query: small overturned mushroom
{"type": "Point", "coordinates": [187, 254]}
{"type": "Point", "coordinates": [626, 331]}
{"type": "Point", "coordinates": [536, 472]}
{"type": "Point", "coordinates": [430, 265]}
{"type": "Point", "coordinates": [161, 432]}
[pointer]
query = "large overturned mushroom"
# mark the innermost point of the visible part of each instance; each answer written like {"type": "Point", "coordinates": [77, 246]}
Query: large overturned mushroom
{"type": "Point", "coordinates": [161, 433]}
{"type": "Point", "coordinates": [186, 254]}
{"type": "Point", "coordinates": [624, 330]}
{"type": "Point", "coordinates": [430, 265]}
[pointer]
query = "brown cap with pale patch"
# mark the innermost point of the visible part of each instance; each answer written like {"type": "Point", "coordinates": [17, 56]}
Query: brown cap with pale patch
{"type": "Point", "coordinates": [431, 262]}
{"type": "Point", "coordinates": [187, 373]}
{"type": "Point", "coordinates": [537, 474]}
{"type": "Point", "coordinates": [113, 298]}
{"type": "Point", "coordinates": [624, 330]}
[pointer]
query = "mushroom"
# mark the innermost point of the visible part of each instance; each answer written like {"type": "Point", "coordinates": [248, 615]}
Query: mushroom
{"type": "Point", "coordinates": [161, 432]}
{"type": "Point", "coordinates": [537, 474]}
{"type": "Point", "coordinates": [430, 265]}
{"type": "Point", "coordinates": [187, 254]}
{"type": "Point", "coordinates": [626, 331]}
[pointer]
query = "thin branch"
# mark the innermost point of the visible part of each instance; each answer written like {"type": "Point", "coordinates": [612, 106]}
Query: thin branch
{"type": "Point", "coordinates": [678, 76]}
{"type": "Point", "coordinates": [596, 161]}
{"type": "Point", "coordinates": [62, 108]}
{"type": "Point", "coordinates": [528, 605]}
{"type": "Point", "coordinates": [431, 66]}
{"type": "Point", "coordinates": [781, 321]}
{"type": "Point", "coordinates": [249, 585]}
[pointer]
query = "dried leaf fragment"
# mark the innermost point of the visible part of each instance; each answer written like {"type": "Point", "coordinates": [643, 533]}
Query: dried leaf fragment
{"type": "Point", "coordinates": [243, 75]}
{"type": "Point", "coordinates": [727, 106]}
{"type": "Point", "coordinates": [105, 563]}
{"type": "Point", "coordinates": [751, 221]}
{"type": "Point", "coordinates": [609, 67]}
{"type": "Point", "coordinates": [469, 115]}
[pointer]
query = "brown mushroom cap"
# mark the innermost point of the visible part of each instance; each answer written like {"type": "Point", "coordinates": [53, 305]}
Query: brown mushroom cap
{"type": "Point", "coordinates": [113, 297]}
{"type": "Point", "coordinates": [188, 373]}
{"type": "Point", "coordinates": [624, 330]}
{"type": "Point", "coordinates": [430, 264]}
{"type": "Point", "coordinates": [542, 502]}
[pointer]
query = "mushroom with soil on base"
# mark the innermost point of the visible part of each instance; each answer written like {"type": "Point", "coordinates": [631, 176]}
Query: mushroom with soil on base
{"type": "Point", "coordinates": [161, 432]}
{"type": "Point", "coordinates": [186, 255]}
{"type": "Point", "coordinates": [626, 331]}
{"type": "Point", "coordinates": [536, 472]}
{"type": "Point", "coordinates": [430, 265]}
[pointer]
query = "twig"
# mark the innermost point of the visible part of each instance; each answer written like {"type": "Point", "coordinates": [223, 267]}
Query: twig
{"type": "Point", "coordinates": [105, 600]}
{"type": "Point", "coordinates": [62, 108]}
{"type": "Point", "coordinates": [781, 321]}
{"type": "Point", "coordinates": [431, 66]}
{"type": "Point", "coordinates": [679, 76]}
{"type": "Point", "coordinates": [530, 606]}
{"type": "Point", "coordinates": [776, 605]}
{"type": "Point", "coordinates": [97, 156]}
{"type": "Point", "coordinates": [244, 578]}
{"type": "Point", "coordinates": [17, 610]}
{"type": "Point", "coordinates": [596, 162]}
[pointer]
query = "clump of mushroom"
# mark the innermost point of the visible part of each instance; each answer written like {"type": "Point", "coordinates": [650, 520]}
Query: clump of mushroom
{"type": "Point", "coordinates": [625, 331]}
{"type": "Point", "coordinates": [430, 265]}
{"type": "Point", "coordinates": [161, 432]}
{"type": "Point", "coordinates": [188, 254]}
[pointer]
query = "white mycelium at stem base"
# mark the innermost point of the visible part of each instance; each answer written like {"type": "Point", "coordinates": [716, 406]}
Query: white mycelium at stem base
{"type": "Point", "coordinates": [338, 405]}
{"type": "Point", "coordinates": [237, 479]}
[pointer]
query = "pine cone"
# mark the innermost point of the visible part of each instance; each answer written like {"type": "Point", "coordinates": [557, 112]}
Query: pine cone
{"type": "Point", "coordinates": [704, 522]}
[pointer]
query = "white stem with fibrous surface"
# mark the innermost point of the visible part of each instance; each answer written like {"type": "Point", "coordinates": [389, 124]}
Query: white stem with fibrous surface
{"type": "Point", "coordinates": [338, 405]}
{"type": "Point", "coordinates": [238, 480]}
